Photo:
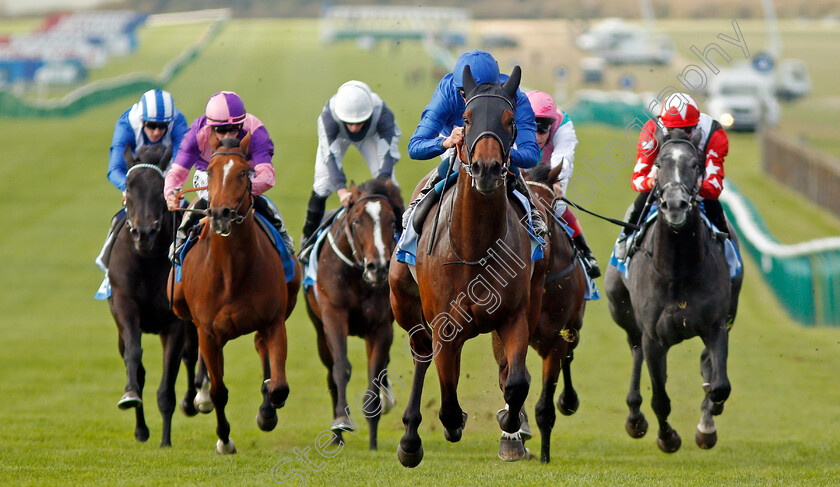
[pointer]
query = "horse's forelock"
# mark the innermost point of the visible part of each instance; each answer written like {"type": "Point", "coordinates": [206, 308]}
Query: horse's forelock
{"type": "Point", "coordinates": [151, 154]}
{"type": "Point", "coordinates": [229, 142]}
{"type": "Point", "coordinates": [380, 187]}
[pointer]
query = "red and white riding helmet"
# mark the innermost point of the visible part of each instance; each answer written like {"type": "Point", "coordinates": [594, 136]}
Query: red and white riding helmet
{"type": "Point", "coordinates": [679, 110]}
{"type": "Point", "coordinates": [225, 108]}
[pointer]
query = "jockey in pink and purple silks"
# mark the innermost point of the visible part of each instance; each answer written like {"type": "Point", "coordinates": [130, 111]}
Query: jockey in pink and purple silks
{"type": "Point", "coordinates": [226, 116]}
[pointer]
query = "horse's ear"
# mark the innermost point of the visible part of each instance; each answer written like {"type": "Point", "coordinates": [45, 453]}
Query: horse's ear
{"type": "Point", "coordinates": [128, 156]}
{"type": "Point", "coordinates": [695, 138]}
{"type": "Point", "coordinates": [469, 81]}
{"type": "Point", "coordinates": [354, 190]}
{"type": "Point", "coordinates": [164, 161]}
{"type": "Point", "coordinates": [245, 142]}
{"type": "Point", "coordinates": [512, 83]}
{"type": "Point", "coordinates": [555, 173]}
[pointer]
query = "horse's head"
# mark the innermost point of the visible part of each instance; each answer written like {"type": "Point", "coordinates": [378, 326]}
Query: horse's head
{"type": "Point", "coordinates": [489, 129]}
{"type": "Point", "coordinates": [541, 179]}
{"type": "Point", "coordinates": [680, 174]}
{"type": "Point", "coordinates": [229, 183]}
{"type": "Point", "coordinates": [144, 203]}
{"type": "Point", "coordinates": [370, 224]}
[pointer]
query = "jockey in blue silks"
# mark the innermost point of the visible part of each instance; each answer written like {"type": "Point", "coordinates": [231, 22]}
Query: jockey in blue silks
{"type": "Point", "coordinates": [441, 128]}
{"type": "Point", "coordinates": [152, 120]}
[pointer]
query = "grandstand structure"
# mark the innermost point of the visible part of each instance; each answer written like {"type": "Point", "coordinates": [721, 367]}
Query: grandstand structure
{"type": "Point", "coordinates": [382, 22]}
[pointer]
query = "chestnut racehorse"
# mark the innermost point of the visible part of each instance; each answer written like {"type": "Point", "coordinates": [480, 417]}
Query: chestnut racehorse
{"type": "Point", "coordinates": [350, 297]}
{"type": "Point", "coordinates": [478, 278]}
{"type": "Point", "coordinates": [233, 284]}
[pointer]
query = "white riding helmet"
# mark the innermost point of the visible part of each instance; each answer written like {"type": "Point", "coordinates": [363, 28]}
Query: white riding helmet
{"type": "Point", "coordinates": [353, 103]}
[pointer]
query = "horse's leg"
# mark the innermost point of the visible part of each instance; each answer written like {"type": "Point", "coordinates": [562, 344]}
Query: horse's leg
{"type": "Point", "coordinates": [713, 367]}
{"type": "Point", "coordinates": [335, 332]}
{"type": "Point", "coordinates": [636, 425]}
{"type": "Point", "coordinates": [326, 358]}
{"type": "Point", "coordinates": [141, 431]}
{"type": "Point", "coordinates": [378, 345]}
{"type": "Point", "coordinates": [190, 358]}
{"type": "Point", "coordinates": [568, 402]}
{"type": "Point", "coordinates": [501, 414]}
{"type": "Point", "coordinates": [173, 345]}
{"type": "Point", "coordinates": [544, 410]}
{"type": "Point", "coordinates": [211, 352]}
{"type": "Point", "coordinates": [514, 336]}
{"type": "Point", "coordinates": [278, 387]}
{"type": "Point", "coordinates": [448, 362]}
{"type": "Point", "coordinates": [127, 317]}
{"type": "Point", "coordinates": [202, 400]}
{"type": "Point", "coordinates": [656, 357]}
{"type": "Point", "coordinates": [267, 415]}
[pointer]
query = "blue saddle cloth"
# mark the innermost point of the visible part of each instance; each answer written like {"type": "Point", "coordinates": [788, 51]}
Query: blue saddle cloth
{"type": "Point", "coordinates": [276, 240]}
{"type": "Point", "coordinates": [310, 270]}
{"type": "Point", "coordinates": [733, 256]}
{"type": "Point", "coordinates": [407, 244]}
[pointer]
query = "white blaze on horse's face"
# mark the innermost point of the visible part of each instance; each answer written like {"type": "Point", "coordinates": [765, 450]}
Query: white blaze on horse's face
{"type": "Point", "coordinates": [374, 209]}
{"type": "Point", "coordinates": [227, 168]}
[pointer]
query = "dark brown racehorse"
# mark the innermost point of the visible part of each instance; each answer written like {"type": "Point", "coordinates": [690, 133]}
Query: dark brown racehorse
{"type": "Point", "coordinates": [352, 298]}
{"type": "Point", "coordinates": [137, 269]}
{"type": "Point", "coordinates": [561, 317]}
{"type": "Point", "coordinates": [233, 284]}
{"type": "Point", "coordinates": [478, 278]}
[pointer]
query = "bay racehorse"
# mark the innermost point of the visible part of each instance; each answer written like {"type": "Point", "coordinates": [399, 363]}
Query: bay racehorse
{"type": "Point", "coordinates": [557, 333]}
{"type": "Point", "coordinates": [137, 270]}
{"type": "Point", "coordinates": [478, 278]}
{"type": "Point", "coordinates": [233, 284]}
{"type": "Point", "coordinates": [350, 297]}
{"type": "Point", "coordinates": [678, 287]}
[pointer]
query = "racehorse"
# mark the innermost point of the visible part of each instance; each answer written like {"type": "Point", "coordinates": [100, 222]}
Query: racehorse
{"type": "Point", "coordinates": [137, 270]}
{"type": "Point", "coordinates": [233, 283]}
{"type": "Point", "coordinates": [679, 287]}
{"type": "Point", "coordinates": [478, 278]}
{"type": "Point", "coordinates": [557, 332]}
{"type": "Point", "coordinates": [350, 297]}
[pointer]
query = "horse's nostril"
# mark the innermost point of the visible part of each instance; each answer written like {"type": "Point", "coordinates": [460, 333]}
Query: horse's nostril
{"type": "Point", "coordinates": [683, 205]}
{"type": "Point", "coordinates": [226, 213]}
{"type": "Point", "coordinates": [134, 231]}
{"type": "Point", "coordinates": [370, 266]}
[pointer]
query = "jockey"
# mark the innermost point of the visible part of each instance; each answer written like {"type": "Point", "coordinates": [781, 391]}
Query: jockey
{"type": "Point", "coordinates": [557, 139]}
{"type": "Point", "coordinates": [353, 116]}
{"type": "Point", "coordinates": [680, 111]}
{"type": "Point", "coordinates": [441, 128]}
{"type": "Point", "coordinates": [152, 120]}
{"type": "Point", "coordinates": [225, 115]}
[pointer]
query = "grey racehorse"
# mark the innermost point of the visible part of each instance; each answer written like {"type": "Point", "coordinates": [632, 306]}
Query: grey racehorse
{"type": "Point", "coordinates": [678, 287]}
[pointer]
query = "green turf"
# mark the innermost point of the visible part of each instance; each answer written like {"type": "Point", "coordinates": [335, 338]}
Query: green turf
{"type": "Point", "coordinates": [61, 373]}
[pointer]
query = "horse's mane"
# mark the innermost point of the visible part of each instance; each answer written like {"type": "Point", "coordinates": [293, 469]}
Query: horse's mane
{"type": "Point", "coordinates": [538, 173]}
{"type": "Point", "coordinates": [378, 186]}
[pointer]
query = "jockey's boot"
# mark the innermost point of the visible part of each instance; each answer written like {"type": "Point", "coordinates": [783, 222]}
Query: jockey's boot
{"type": "Point", "coordinates": [266, 208]}
{"type": "Point", "coordinates": [537, 223]}
{"type": "Point", "coordinates": [314, 214]}
{"type": "Point", "coordinates": [190, 218]}
{"type": "Point", "coordinates": [589, 262]}
{"type": "Point", "coordinates": [430, 183]}
{"type": "Point", "coordinates": [104, 257]}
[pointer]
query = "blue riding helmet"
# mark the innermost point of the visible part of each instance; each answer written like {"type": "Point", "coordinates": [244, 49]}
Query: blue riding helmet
{"type": "Point", "coordinates": [157, 106]}
{"type": "Point", "coordinates": [483, 66]}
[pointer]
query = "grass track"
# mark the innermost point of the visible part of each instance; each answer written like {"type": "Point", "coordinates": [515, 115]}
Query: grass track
{"type": "Point", "coordinates": [61, 373]}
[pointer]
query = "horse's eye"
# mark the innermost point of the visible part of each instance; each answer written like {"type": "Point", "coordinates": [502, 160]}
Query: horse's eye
{"type": "Point", "coordinates": [466, 122]}
{"type": "Point", "coordinates": [356, 221]}
{"type": "Point", "coordinates": [244, 173]}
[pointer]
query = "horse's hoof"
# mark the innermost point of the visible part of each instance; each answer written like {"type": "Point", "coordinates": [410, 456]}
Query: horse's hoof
{"type": "Point", "coordinates": [511, 447]}
{"type": "Point", "coordinates": [568, 405]}
{"type": "Point", "coordinates": [454, 435]}
{"type": "Point", "coordinates": [188, 407]}
{"type": "Point", "coordinates": [130, 400]}
{"type": "Point", "coordinates": [636, 429]}
{"type": "Point", "coordinates": [409, 460]}
{"type": "Point", "coordinates": [141, 434]}
{"type": "Point", "coordinates": [342, 423]}
{"type": "Point", "coordinates": [267, 423]}
{"type": "Point", "coordinates": [223, 448]}
{"type": "Point", "coordinates": [671, 443]}
{"type": "Point", "coordinates": [705, 440]}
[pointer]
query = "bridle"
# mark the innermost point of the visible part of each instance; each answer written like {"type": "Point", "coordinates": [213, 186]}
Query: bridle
{"type": "Point", "coordinates": [130, 170]}
{"type": "Point", "coordinates": [694, 191]}
{"type": "Point", "coordinates": [237, 216]}
{"type": "Point", "coordinates": [350, 232]}
{"type": "Point", "coordinates": [471, 140]}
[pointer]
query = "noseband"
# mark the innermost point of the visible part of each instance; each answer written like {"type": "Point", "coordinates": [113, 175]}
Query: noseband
{"type": "Point", "coordinates": [495, 130]}
{"type": "Point", "coordinates": [350, 232]}
{"type": "Point", "coordinates": [239, 217]}
{"type": "Point", "coordinates": [130, 170]}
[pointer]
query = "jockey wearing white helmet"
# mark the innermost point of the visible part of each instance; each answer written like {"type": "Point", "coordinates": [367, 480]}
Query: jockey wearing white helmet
{"type": "Point", "coordinates": [353, 116]}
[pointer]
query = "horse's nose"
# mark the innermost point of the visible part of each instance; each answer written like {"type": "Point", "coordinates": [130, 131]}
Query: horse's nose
{"type": "Point", "coordinates": [486, 170]}
{"type": "Point", "coordinates": [221, 213]}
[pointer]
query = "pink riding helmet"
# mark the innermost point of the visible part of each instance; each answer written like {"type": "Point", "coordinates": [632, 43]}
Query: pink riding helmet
{"type": "Point", "coordinates": [225, 108]}
{"type": "Point", "coordinates": [543, 105]}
